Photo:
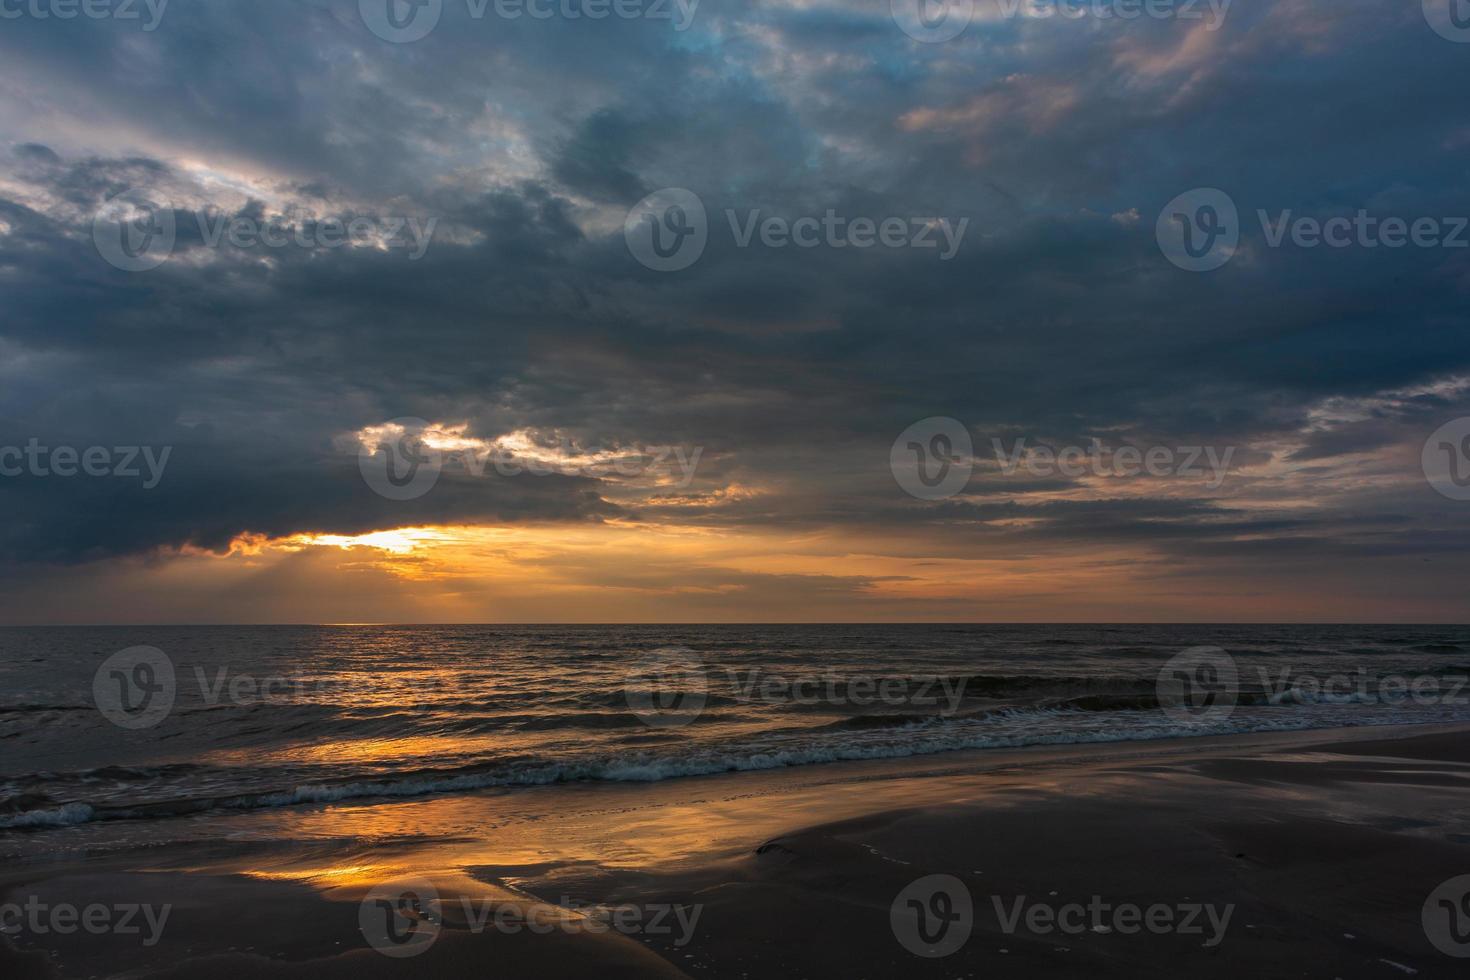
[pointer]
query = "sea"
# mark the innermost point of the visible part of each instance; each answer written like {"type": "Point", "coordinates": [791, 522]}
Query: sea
{"type": "Point", "coordinates": [151, 724]}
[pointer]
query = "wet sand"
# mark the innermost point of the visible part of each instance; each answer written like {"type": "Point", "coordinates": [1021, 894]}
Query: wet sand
{"type": "Point", "coordinates": [1300, 855]}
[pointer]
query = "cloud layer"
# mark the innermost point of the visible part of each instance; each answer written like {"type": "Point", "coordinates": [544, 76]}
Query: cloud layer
{"type": "Point", "coordinates": [525, 142]}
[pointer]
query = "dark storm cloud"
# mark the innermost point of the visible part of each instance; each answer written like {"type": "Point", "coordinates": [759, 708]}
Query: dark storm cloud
{"type": "Point", "coordinates": [527, 141]}
{"type": "Point", "coordinates": [595, 159]}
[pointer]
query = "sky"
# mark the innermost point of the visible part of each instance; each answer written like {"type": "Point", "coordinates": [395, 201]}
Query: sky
{"type": "Point", "coordinates": [733, 311]}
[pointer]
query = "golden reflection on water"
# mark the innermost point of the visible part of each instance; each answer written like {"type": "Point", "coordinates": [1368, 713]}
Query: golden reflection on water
{"type": "Point", "coordinates": [421, 749]}
{"type": "Point", "coordinates": [328, 875]}
{"type": "Point", "coordinates": [513, 844]}
{"type": "Point", "coordinates": [499, 839]}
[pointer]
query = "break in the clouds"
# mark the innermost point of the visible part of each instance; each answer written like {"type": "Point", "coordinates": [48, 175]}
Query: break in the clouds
{"type": "Point", "coordinates": [362, 231]}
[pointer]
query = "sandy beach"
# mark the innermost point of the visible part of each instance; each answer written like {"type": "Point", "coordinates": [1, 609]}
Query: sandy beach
{"type": "Point", "coordinates": [1280, 855]}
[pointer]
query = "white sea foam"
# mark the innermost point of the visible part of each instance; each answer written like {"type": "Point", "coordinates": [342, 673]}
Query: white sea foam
{"type": "Point", "coordinates": [67, 815]}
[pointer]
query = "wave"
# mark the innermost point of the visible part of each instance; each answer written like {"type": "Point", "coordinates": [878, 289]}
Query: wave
{"type": "Point", "coordinates": [925, 735]}
{"type": "Point", "coordinates": [66, 815]}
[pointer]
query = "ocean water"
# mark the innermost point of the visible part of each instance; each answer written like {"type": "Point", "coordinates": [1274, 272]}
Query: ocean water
{"type": "Point", "coordinates": [148, 724]}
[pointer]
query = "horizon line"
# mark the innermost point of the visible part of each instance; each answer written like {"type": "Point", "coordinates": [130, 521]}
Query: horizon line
{"type": "Point", "coordinates": [508, 623]}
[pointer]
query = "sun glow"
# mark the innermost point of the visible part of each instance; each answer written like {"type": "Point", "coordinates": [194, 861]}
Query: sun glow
{"type": "Point", "coordinates": [401, 541]}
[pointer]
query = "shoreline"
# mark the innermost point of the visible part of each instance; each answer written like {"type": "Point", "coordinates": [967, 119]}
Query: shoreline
{"type": "Point", "coordinates": [959, 766]}
{"type": "Point", "coordinates": [823, 846]}
{"type": "Point", "coordinates": [448, 784]}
